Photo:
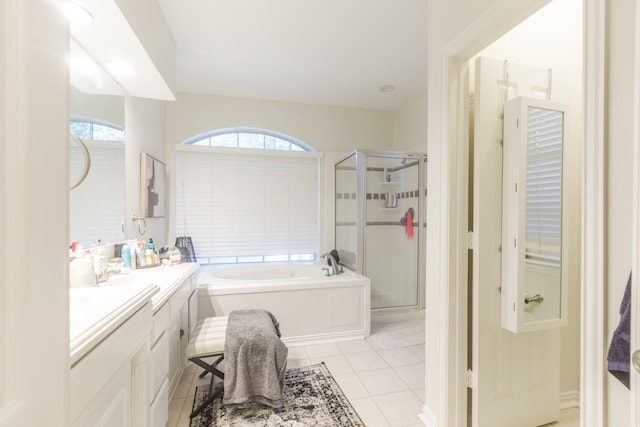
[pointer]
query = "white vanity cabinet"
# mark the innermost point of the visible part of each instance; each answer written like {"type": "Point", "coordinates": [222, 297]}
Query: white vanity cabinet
{"type": "Point", "coordinates": [127, 344]}
{"type": "Point", "coordinates": [173, 320]}
{"type": "Point", "coordinates": [109, 383]}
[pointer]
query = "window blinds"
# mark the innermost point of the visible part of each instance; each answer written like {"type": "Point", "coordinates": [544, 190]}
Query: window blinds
{"type": "Point", "coordinates": [544, 184]}
{"type": "Point", "coordinates": [247, 205]}
{"type": "Point", "coordinates": [96, 207]}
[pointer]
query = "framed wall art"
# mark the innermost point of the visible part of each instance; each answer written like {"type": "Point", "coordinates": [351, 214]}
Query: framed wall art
{"type": "Point", "coordinates": [152, 180]}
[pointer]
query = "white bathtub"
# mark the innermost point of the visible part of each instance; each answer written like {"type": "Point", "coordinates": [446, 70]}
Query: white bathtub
{"type": "Point", "coordinates": [310, 306]}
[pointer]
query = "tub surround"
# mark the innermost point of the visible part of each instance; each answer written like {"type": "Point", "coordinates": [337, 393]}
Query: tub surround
{"type": "Point", "coordinates": [311, 307]}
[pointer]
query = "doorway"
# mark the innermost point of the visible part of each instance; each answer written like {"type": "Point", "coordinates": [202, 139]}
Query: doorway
{"type": "Point", "coordinates": [541, 40]}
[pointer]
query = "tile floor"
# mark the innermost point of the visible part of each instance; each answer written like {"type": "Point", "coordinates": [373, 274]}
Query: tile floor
{"type": "Point", "coordinates": [386, 387]}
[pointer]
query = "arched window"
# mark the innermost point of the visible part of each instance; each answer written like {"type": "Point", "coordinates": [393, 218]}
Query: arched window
{"type": "Point", "coordinates": [248, 195]}
{"type": "Point", "coordinates": [248, 137]}
{"type": "Point", "coordinates": [89, 129]}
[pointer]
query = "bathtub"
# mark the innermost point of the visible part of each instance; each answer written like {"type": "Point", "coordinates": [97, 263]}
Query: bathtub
{"type": "Point", "coordinates": [311, 307]}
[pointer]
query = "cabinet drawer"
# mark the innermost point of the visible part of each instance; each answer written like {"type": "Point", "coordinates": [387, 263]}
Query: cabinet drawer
{"type": "Point", "coordinates": [159, 364]}
{"type": "Point", "coordinates": [180, 298]}
{"type": "Point", "coordinates": [161, 320]}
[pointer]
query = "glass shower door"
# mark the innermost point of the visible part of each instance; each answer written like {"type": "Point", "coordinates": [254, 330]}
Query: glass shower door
{"type": "Point", "coordinates": [346, 208]}
{"type": "Point", "coordinates": [391, 230]}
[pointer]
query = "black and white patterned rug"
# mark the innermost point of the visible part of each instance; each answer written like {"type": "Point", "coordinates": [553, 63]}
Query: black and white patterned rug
{"type": "Point", "coordinates": [311, 398]}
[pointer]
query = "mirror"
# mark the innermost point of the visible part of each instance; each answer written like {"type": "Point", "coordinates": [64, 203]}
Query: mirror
{"type": "Point", "coordinates": [534, 276]}
{"type": "Point", "coordinates": [97, 205]}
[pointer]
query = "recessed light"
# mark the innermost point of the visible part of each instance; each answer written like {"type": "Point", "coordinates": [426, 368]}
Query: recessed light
{"type": "Point", "coordinates": [387, 88]}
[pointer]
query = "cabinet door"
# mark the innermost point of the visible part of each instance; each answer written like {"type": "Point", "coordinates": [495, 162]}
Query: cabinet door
{"type": "Point", "coordinates": [175, 368]}
{"type": "Point", "coordinates": [193, 310]}
{"type": "Point", "coordinates": [111, 408]}
{"type": "Point", "coordinates": [184, 333]}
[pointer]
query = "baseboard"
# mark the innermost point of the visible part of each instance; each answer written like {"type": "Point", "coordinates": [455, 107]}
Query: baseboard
{"type": "Point", "coordinates": [427, 417]}
{"type": "Point", "coordinates": [570, 399]}
{"type": "Point", "coordinates": [324, 338]}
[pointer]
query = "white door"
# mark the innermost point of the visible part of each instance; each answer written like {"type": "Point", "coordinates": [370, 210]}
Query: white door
{"type": "Point", "coordinates": [516, 377]}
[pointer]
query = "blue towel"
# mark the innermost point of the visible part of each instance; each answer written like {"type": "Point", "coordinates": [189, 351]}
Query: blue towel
{"type": "Point", "coordinates": [620, 347]}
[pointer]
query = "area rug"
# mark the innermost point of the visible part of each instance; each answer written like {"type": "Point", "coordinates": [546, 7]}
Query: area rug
{"type": "Point", "coordinates": [311, 398]}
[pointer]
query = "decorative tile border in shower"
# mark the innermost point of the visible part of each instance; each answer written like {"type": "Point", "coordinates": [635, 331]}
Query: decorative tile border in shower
{"type": "Point", "coordinates": [376, 223]}
{"type": "Point", "coordinates": [380, 196]}
{"type": "Point", "coordinates": [345, 196]}
{"type": "Point", "coordinates": [399, 195]}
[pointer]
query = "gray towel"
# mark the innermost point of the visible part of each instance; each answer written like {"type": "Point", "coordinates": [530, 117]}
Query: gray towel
{"type": "Point", "coordinates": [620, 347]}
{"type": "Point", "coordinates": [255, 359]}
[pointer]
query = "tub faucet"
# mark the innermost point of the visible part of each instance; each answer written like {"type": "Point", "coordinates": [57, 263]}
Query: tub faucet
{"type": "Point", "coordinates": [334, 263]}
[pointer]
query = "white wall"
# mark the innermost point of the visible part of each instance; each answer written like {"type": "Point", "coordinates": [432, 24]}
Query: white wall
{"type": "Point", "coordinates": [552, 38]}
{"type": "Point", "coordinates": [144, 132]}
{"type": "Point", "coordinates": [335, 131]}
{"type": "Point", "coordinates": [325, 128]}
{"type": "Point", "coordinates": [146, 18]}
{"type": "Point", "coordinates": [109, 108]}
{"type": "Point", "coordinates": [410, 125]}
{"type": "Point", "coordinates": [619, 185]}
{"type": "Point", "coordinates": [34, 198]}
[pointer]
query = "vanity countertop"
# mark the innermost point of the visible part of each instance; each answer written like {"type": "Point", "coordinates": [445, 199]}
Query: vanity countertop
{"type": "Point", "coordinates": [95, 312]}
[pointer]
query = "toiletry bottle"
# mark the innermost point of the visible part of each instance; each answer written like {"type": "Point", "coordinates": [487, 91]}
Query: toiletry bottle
{"type": "Point", "coordinates": [126, 255]}
{"type": "Point", "coordinates": [99, 261]}
{"type": "Point", "coordinates": [133, 244]}
{"type": "Point", "coordinates": [155, 257]}
{"type": "Point", "coordinates": [148, 257]}
{"type": "Point", "coordinates": [140, 257]}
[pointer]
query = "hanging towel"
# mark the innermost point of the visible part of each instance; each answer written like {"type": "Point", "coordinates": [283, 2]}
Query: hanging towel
{"type": "Point", "coordinates": [408, 227]}
{"type": "Point", "coordinates": [620, 347]}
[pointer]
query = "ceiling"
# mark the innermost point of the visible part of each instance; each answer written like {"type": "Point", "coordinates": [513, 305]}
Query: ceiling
{"type": "Point", "coordinates": [330, 52]}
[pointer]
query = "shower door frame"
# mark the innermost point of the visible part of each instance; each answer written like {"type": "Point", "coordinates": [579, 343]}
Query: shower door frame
{"type": "Point", "coordinates": [361, 156]}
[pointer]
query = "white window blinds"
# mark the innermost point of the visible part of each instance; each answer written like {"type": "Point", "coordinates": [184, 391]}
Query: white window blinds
{"type": "Point", "coordinates": [247, 205]}
{"type": "Point", "coordinates": [544, 184]}
{"type": "Point", "coordinates": [96, 207]}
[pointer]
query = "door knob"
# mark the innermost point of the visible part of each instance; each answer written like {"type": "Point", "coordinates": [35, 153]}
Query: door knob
{"type": "Point", "coordinates": [535, 298]}
{"type": "Point", "coordinates": [635, 360]}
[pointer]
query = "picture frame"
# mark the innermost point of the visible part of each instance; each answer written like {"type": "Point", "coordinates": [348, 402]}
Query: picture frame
{"type": "Point", "coordinates": [152, 186]}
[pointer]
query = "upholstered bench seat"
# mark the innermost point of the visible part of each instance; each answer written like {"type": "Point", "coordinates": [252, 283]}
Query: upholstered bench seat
{"type": "Point", "coordinates": [207, 340]}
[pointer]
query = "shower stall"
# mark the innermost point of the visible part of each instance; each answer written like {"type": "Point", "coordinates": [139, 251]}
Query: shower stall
{"type": "Point", "coordinates": [379, 223]}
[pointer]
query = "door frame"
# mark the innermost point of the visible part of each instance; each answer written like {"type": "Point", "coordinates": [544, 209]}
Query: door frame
{"type": "Point", "coordinates": [635, 291]}
{"type": "Point", "coordinates": [449, 209]}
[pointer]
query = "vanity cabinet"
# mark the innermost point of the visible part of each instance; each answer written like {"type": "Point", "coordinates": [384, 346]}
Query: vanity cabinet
{"type": "Point", "coordinates": [172, 323]}
{"type": "Point", "coordinates": [109, 384]}
{"type": "Point", "coordinates": [127, 346]}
